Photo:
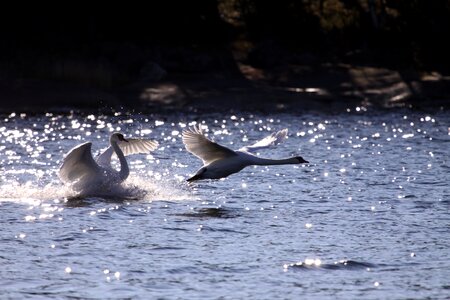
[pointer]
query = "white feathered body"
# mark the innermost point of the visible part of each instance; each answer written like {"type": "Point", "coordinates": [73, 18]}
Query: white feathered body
{"type": "Point", "coordinates": [84, 174]}
{"type": "Point", "coordinates": [225, 167]}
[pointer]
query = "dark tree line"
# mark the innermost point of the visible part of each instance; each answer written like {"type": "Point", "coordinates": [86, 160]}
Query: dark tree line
{"type": "Point", "coordinates": [122, 36]}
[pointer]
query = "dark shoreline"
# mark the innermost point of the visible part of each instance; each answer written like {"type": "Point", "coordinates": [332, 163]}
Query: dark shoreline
{"type": "Point", "coordinates": [320, 88]}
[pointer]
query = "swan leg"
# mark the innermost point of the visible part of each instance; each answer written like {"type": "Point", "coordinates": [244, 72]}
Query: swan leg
{"type": "Point", "coordinates": [194, 178]}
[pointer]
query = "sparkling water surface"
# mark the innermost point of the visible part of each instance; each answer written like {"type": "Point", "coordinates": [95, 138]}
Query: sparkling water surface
{"type": "Point", "coordinates": [368, 218]}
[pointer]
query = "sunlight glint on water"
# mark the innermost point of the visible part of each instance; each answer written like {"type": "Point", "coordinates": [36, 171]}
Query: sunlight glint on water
{"type": "Point", "coordinates": [367, 218]}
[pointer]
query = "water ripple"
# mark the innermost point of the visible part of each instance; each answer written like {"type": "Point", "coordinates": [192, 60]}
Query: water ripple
{"type": "Point", "coordinates": [317, 264]}
{"type": "Point", "coordinates": [376, 190]}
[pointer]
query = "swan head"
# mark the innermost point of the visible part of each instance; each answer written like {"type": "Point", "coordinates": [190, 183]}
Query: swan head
{"type": "Point", "coordinates": [301, 160]}
{"type": "Point", "coordinates": [117, 137]}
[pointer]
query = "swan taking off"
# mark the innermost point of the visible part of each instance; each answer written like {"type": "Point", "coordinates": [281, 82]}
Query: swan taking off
{"type": "Point", "coordinates": [220, 161]}
{"type": "Point", "coordinates": [85, 174]}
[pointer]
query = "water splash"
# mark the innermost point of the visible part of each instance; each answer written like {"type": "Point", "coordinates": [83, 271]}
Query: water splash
{"type": "Point", "coordinates": [135, 188]}
{"type": "Point", "coordinates": [29, 191]}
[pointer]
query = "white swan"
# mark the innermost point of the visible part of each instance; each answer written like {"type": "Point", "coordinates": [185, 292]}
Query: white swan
{"type": "Point", "coordinates": [220, 161]}
{"type": "Point", "coordinates": [84, 173]}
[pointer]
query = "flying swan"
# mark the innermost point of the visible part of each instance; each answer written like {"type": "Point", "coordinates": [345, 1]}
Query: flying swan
{"type": "Point", "coordinates": [80, 170]}
{"type": "Point", "coordinates": [220, 161]}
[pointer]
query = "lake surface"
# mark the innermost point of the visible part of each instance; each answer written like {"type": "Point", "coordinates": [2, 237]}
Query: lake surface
{"type": "Point", "coordinates": [368, 218]}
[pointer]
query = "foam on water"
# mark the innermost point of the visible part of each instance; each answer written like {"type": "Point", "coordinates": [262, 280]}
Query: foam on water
{"type": "Point", "coordinates": [134, 188]}
{"type": "Point", "coordinates": [15, 191]}
{"type": "Point", "coordinates": [149, 189]}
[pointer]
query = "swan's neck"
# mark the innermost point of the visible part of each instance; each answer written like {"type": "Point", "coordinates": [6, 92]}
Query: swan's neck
{"type": "Point", "coordinates": [267, 162]}
{"type": "Point", "coordinates": [124, 170]}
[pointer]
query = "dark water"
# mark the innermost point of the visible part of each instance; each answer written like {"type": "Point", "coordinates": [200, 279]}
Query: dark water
{"type": "Point", "coordinates": [368, 218]}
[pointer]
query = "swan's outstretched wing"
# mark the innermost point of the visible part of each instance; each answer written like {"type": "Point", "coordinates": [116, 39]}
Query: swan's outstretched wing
{"type": "Point", "coordinates": [104, 159]}
{"type": "Point", "coordinates": [133, 146]}
{"type": "Point", "coordinates": [271, 140]}
{"type": "Point", "coordinates": [78, 164]}
{"type": "Point", "coordinates": [208, 151]}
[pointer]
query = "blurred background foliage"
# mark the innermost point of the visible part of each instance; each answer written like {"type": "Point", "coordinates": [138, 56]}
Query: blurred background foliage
{"type": "Point", "coordinates": [406, 31]}
{"type": "Point", "coordinates": [118, 43]}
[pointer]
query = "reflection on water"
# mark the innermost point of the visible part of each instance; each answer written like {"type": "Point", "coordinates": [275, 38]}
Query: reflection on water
{"type": "Point", "coordinates": [211, 212]}
{"type": "Point", "coordinates": [369, 213]}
